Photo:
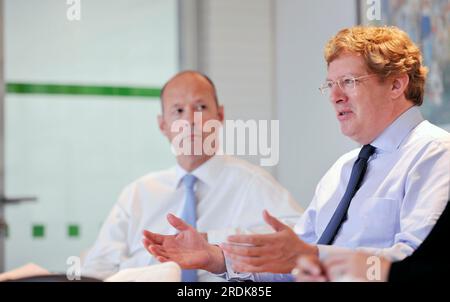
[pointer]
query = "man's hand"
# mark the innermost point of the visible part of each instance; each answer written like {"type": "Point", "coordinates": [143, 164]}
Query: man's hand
{"type": "Point", "coordinates": [273, 253]}
{"type": "Point", "coordinates": [188, 248]}
{"type": "Point", "coordinates": [309, 269]}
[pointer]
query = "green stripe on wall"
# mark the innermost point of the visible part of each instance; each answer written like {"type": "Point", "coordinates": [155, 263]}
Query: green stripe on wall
{"type": "Point", "coordinates": [27, 88]}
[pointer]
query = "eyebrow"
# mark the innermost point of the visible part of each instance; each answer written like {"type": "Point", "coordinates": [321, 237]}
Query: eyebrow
{"type": "Point", "coordinates": [174, 106]}
{"type": "Point", "coordinates": [199, 101]}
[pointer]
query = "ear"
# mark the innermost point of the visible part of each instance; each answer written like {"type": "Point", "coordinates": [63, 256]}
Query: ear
{"type": "Point", "coordinates": [162, 125]}
{"type": "Point", "coordinates": [220, 114]}
{"type": "Point", "coordinates": [399, 86]}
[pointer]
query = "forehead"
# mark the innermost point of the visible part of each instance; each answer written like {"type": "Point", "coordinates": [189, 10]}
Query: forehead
{"type": "Point", "coordinates": [347, 64]}
{"type": "Point", "coordinates": [188, 89]}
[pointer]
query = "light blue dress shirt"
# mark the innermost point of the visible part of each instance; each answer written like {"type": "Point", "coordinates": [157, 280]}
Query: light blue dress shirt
{"type": "Point", "coordinates": [404, 192]}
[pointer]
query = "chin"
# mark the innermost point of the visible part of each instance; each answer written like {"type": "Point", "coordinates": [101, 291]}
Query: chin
{"type": "Point", "coordinates": [347, 132]}
{"type": "Point", "coordinates": [351, 135]}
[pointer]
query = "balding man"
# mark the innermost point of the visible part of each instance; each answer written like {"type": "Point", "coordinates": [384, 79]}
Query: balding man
{"type": "Point", "coordinates": [218, 195]}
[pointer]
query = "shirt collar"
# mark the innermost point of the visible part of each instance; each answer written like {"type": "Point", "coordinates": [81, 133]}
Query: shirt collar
{"type": "Point", "coordinates": [392, 137]}
{"type": "Point", "coordinates": [207, 173]}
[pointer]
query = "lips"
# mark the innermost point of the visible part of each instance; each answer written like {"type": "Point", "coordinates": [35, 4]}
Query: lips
{"type": "Point", "coordinates": [344, 114]}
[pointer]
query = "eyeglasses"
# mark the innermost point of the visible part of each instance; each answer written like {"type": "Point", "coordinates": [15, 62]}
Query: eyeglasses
{"type": "Point", "coordinates": [346, 83]}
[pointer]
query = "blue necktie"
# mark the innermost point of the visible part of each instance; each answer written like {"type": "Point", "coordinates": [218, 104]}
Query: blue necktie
{"type": "Point", "coordinates": [340, 215]}
{"type": "Point", "coordinates": [189, 215]}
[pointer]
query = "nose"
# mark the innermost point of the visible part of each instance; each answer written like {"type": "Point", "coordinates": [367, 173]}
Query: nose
{"type": "Point", "coordinates": [189, 116]}
{"type": "Point", "coordinates": [337, 95]}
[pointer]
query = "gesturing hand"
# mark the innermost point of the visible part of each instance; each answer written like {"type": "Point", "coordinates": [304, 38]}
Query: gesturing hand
{"type": "Point", "coordinates": [188, 248]}
{"type": "Point", "coordinates": [273, 253]}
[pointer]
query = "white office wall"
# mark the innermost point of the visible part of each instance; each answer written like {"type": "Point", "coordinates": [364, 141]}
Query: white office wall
{"type": "Point", "coordinates": [310, 136]}
{"type": "Point", "coordinates": [238, 52]}
{"type": "Point", "coordinates": [110, 44]}
{"type": "Point", "coordinates": [236, 49]}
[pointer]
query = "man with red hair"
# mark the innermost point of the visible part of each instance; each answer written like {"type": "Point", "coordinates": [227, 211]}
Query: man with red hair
{"type": "Point", "coordinates": [383, 198]}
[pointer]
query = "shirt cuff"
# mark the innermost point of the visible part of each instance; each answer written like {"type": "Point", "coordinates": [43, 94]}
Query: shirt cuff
{"type": "Point", "coordinates": [231, 275]}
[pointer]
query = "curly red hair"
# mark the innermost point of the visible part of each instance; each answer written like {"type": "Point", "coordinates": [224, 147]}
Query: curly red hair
{"type": "Point", "coordinates": [387, 51]}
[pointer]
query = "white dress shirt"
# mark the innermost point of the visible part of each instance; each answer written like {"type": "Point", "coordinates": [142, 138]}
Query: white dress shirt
{"type": "Point", "coordinates": [405, 190]}
{"type": "Point", "coordinates": [231, 195]}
